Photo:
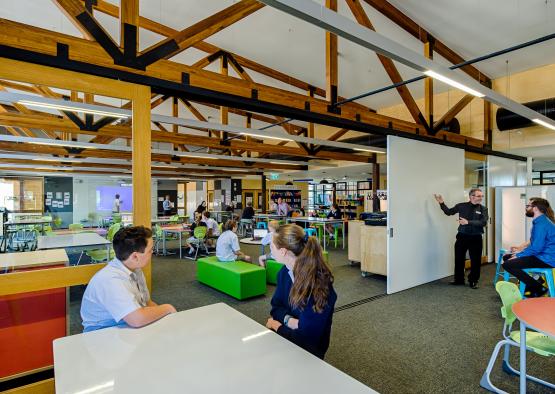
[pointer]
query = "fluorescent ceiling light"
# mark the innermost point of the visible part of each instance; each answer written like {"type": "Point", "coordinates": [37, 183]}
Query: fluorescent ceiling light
{"type": "Point", "coordinates": [544, 124]}
{"type": "Point", "coordinates": [62, 107]}
{"type": "Point", "coordinates": [455, 84]}
{"type": "Point", "coordinates": [266, 136]}
{"type": "Point", "coordinates": [367, 150]}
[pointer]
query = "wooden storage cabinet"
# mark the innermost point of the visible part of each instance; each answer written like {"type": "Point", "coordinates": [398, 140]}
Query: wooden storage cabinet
{"type": "Point", "coordinates": [354, 240]}
{"type": "Point", "coordinates": [373, 250]}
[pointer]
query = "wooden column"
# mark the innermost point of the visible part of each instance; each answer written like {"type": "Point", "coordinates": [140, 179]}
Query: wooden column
{"type": "Point", "coordinates": [129, 25]}
{"type": "Point", "coordinates": [331, 59]}
{"type": "Point", "coordinates": [375, 187]}
{"type": "Point", "coordinates": [264, 194]}
{"type": "Point", "coordinates": [429, 85]}
{"type": "Point", "coordinates": [141, 164]}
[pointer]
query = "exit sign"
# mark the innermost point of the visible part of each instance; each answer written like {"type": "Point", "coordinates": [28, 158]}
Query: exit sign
{"type": "Point", "coordinates": [274, 176]}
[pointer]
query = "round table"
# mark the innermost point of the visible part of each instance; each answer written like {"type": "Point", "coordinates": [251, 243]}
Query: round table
{"type": "Point", "coordinates": [538, 314]}
{"type": "Point", "coordinates": [249, 241]}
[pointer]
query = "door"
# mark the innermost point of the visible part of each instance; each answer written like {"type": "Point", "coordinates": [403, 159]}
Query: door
{"type": "Point", "coordinates": [420, 236]}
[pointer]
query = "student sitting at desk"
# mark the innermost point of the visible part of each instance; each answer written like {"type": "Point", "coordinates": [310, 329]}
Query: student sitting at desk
{"type": "Point", "coordinates": [273, 225]}
{"type": "Point", "coordinates": [117, 295]}
{"type": "Point", "coordinates": [227, 246]}
{"type": "Point", "coordinates": [302, 305]}
{"type": "Point", "coordinates": [189, 242]}
{"type": "Point", "coordinates": [334, 213]}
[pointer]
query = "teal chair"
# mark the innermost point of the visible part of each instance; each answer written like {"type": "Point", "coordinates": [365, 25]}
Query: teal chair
{"type": "Point", "coordinates": [311, 232]}
{"type": "Point", "coordinates": [536, 342]}
{"type": "Point", "coordinates": [262, 225]}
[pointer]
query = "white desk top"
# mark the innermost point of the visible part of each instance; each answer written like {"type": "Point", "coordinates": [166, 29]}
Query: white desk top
{"type": "Point", "coordinates": [27, 221]}
{"type": "Point", "coordinates": [212, 349]}
{"type": "Point", "coordinates": [33, 259]}
{"type": "Point", "coordinates": [310, 219]}
{"type": "Point", "coordinates": [249, 241]}
{"type": "Point", "coordinates": [70, 241]}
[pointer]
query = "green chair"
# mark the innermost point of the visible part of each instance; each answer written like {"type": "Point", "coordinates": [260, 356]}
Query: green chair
{"type": "Point", "coordinates": [237, 279]}
{"type": "Point", "coordinates": [536, 342]}
{"type": "Point", "coordinates": [199, 235]}
{"type": "Point", "coordinates": [158, 235]}
{"type": "Point", "coordinates": [57, 221]}
{"type": "Point", "coordinates": [174, 219]}
{"type": "Point", "coordinates": [336, 231]}
{"type": "Point", "coordinates": [99, 255]}
{"type": "Point", "coordinates": [116, 218]}
{"type": "Point", "coordinates": [75, 226]}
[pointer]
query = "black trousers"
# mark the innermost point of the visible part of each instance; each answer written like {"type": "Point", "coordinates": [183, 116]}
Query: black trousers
{"type": "Point", "coordinates": [167, 212]}
{"type": "Point", "coordinates": [516, 266]}
{"type": "Point", "coordinates": [472, 244]}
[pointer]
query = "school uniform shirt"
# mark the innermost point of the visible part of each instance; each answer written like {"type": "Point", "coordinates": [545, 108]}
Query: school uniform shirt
{"type": "Point", "coordinates": [227, 245]}
{"type": "Point", "coordinates": [266, 241]}
{"type": "Point", "coordinates": [166, 205]}
{"type": "Point", "coordinates": [113, 292]}
{"type": "Point", "coordinates": [314, 330]}
{"type": "Point", "coordinates": [116, 205]}
{"type": "Point", "coordinates": [212, 224]}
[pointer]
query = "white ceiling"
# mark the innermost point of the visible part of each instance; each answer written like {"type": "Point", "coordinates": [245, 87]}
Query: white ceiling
{"type": "Point", "coordinates": [471, 28]}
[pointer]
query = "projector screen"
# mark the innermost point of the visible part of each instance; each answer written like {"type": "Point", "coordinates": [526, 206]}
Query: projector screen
{"type": "Point", "coordinates": [105, 196]}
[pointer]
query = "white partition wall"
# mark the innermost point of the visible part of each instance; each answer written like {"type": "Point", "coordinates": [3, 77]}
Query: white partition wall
{"type": "Point", "coordinates": [501, 172]}
{"type": "Point", "coordinates": [421, 236]}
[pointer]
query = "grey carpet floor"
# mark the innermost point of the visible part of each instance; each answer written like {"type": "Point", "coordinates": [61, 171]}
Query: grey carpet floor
{"type": "Point", "coordinates": [433, 338]}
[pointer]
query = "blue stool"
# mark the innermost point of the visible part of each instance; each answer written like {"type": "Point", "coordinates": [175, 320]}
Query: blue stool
{"type": "Point", "coordinates": [547, 272]}
{"type": "Point", "coordinates": [262, 225]}
{"type": "Point", "coordinates": [499, 271]}
{"type": "Point", "coordinates": [311, 232]}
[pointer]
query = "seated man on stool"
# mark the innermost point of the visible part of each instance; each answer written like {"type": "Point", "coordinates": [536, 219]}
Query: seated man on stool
{"type": "Point", "coordinates": [540, 253]}
{"type": "Point", "coordinates": [117, 295]}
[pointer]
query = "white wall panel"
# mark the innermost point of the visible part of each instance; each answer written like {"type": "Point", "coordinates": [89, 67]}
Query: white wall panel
{"type": "Point", "coordinates": [421, 249]}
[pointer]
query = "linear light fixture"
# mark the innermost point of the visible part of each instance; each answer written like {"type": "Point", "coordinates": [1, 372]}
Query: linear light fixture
{"type": "Point", "coordinates": [544, 124]}
{"type": "Point", "coordinates": [318, 15]}
{"type": "Point", "coordinates": [72, 109]}
{"type": "Point", "coordinates": [455, 84]}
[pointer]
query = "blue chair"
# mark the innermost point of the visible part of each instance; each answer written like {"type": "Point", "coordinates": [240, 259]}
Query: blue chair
{"type": "Point", "coordinates": [262, 225]}
{"type": "Point", "coordinates": [548, 274]}
{"type": "Point", "coordinates": [311, 232]}
{"type": "Point", "coordinates": [499, 271]}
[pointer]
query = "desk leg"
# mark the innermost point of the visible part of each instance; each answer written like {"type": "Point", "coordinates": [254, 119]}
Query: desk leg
{"type": "Point", "coordinates": [163, 243]}
{"type": "Point", "coordinates": [522, 357]}
{"type": "Point", "coordinates": [343, 235]}
{"type": "Point", "coordinates": [180, 244]}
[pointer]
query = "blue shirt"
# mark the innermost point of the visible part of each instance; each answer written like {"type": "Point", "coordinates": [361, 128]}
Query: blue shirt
{"type": "Point", "coordinates": [167, 205]}
{"type": "Point", "coordinates": [542, 241]}
{"type": "Point", "coordinates": [113, 292]}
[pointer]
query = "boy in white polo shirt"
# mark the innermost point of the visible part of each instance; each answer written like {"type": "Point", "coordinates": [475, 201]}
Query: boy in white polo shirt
{"type": "Point", "coordinates": [117, 295]}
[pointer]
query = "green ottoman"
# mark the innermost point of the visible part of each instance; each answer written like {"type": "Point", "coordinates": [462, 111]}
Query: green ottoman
{"type": "Point", "coordinates": [273, 267]}
{"type": "Point", "coordinates": [238, 279]}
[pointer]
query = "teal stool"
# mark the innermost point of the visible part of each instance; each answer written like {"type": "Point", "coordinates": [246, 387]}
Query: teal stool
{"type": "Point", "coordinates": [237, 278]}
{"type": "Point", "coordinates": [311, 232]}
{"type": "Point", "coordinates": [499, 271]}
{"type": "Point", "coordinates": [548, 274]}
{"type": "Point", "coordinates": [262, 225]}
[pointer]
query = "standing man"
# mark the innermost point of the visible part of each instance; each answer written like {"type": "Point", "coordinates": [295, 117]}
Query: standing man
{"type": "Point", "coordinates": [282, 207]}
{"type": "Point", "coordinates": [116, 205]}
{"type": "Point", "coordinates": [473, 217]}
{"type": "Point", "coordinates": [167, 206]}
{"type": "Point", "coordinates": [117, 295]}
{"type": "Point", "coordinates": [540, 253]}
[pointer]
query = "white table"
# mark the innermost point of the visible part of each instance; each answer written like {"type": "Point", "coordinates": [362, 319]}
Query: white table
{"type": "Point", "coordinates": [13, 261]}
{"type": "Point", "coordinates": [249, 241]}
{"type": "Point", "coordinates": [177, 229]}
{"type": "Point", "coordinates": [77, 241]}
{"type": "Point", "coordinates": [321, 221]}
{"type": "Point", "coordinates": [212, 349]}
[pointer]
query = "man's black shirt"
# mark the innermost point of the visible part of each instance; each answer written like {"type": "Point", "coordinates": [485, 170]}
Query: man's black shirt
{"type": "Point", "coordinates": [477, 216]}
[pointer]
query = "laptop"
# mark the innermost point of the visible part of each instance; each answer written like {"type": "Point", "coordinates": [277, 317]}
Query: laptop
{"type": "Point", "coordinates": [259, 233]}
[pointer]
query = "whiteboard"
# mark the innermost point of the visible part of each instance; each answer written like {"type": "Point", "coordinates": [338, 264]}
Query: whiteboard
{"type": "Point", "coordinates": [421, 237]}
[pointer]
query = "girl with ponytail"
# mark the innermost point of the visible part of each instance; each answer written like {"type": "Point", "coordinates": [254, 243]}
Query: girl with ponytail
{"type": "Point", "coordinates": [302, 305]}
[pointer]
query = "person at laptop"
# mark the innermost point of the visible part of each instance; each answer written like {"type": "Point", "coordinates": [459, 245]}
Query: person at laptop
{"type": "Point", "coordinates": [227, 246]}
{"type": "Point", "coordinates": [117, 295]}
{"type": "Point", "coordinates": [303, 302]}
{"type": "Point", "coordinates": [272, 228]}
